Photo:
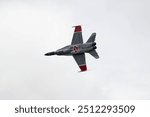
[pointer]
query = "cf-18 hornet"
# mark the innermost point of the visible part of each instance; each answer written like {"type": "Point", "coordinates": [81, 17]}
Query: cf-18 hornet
{"type": "Point", "coordinates": [77, 49]}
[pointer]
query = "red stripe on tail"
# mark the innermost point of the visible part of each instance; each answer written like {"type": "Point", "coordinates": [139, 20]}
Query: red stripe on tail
{"type": "Point", "coordinates": [83, 67]}
{"type": "Point", "coordinates": [78, 29]}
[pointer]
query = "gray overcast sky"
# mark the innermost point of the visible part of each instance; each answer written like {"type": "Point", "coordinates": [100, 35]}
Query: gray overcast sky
{"type": "Point", "coordinates": [29, 29]}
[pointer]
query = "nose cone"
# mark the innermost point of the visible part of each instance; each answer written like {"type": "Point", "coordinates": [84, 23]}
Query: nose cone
{"type": "Point", "coordinates": [50, 53]}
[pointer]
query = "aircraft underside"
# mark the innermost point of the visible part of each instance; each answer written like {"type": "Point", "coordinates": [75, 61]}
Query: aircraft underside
{"type": "Point", "coordinates": [77, 49]}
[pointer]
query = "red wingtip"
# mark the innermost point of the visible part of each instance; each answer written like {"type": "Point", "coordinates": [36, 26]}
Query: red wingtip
{"type": "Point", "coordinates": [83, 67]}
{"type": "Point", "coordinates": [77, 28]}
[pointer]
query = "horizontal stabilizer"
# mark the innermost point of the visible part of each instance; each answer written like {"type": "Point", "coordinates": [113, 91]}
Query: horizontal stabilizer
{"type": "Point", "coordinates": [94, 54]}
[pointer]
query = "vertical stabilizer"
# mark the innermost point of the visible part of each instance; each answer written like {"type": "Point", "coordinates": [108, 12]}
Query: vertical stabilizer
{"type": "Point", "coordinates": [92, 38]}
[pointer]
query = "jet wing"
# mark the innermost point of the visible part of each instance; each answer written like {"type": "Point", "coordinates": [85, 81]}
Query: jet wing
{"type": "Point", "coordinates": [77, 36]}
{"type": "Point", "coordinates": [80, 60]}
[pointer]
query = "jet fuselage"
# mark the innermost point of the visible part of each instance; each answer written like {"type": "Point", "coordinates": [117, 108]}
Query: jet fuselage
{"type": "Point", "coordinates": [74, 49]}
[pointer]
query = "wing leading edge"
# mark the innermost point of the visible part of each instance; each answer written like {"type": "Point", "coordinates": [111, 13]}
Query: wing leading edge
{"type": "Point", "coordinates": [80, 60]}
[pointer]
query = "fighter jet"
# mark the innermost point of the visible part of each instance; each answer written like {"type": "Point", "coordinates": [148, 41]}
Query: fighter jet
{"type": "Point", "coordinates": [77, 49]}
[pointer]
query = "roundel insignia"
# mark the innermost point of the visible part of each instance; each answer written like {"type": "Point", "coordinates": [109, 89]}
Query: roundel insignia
{"type": "Point", "coordinates": [76, 49]}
